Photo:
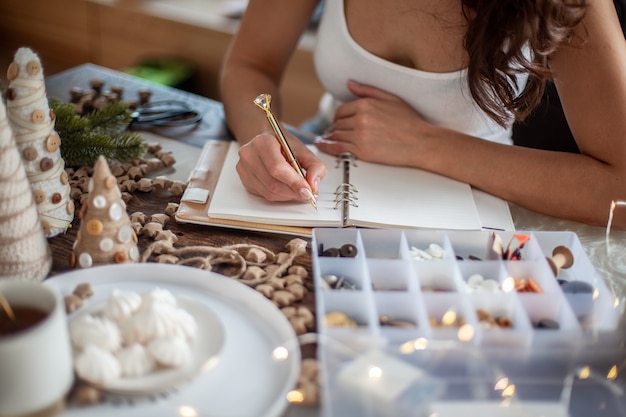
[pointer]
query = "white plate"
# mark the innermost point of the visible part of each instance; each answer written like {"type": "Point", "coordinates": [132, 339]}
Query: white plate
{"type": "Point", "coordinates": [258, 364]}
{"type": "Point", "coordinates": [205, 349]}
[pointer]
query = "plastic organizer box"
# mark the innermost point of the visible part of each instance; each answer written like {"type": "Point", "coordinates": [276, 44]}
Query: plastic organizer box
{"type": "Point", "coordinates": [415, 341]}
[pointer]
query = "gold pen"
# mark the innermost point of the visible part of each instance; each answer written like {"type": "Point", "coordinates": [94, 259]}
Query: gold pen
{"type": "Point", "coordinates": [263, 102]}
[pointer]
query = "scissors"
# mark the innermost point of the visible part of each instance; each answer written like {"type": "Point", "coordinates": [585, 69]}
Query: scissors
{"type": "Point", "coordinates": [167, 113]}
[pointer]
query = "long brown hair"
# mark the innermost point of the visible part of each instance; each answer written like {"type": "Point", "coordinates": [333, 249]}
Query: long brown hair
{"type": "Point", "coordinates": [497, 35]}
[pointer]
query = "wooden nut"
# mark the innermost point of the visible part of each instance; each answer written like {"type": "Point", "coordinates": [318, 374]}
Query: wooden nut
{"type": "Point", "coordinates": [266, 290]}
{"type": "Point", "coordinates": [87, 395]}
{"type": "Point", "coordinates": [167, 235]}
{"type": "Point", "coordinates": [282, 258]}
{"type": "Point", "coordinates": [171, 208]}
{"type": "Point", "coordinates": [151, 229]}
{"type": "Point", "coordinates": [154, 147]}
{"type": "Point", "coordinates": [178, 188]}
{"type": "Point", "coordinates": [117, 170]}
{"type": "Point", "coordinates": [276, 283]}
{"type": "Point", "coordinates": [289, 311]}
{"type": "Point", "coordinates": [294, 279]}
{"type": "Point", "coordinates": [256, 255]}
{"type": "Point", "coordinates": [297, 246]}
{"type": "Point", "coordinates": [162, 183]}
{"type": "Point", "coordinates": [166, 258]}
{"type": "Point", "coordinates": [145, 185]}
{"type": "Point", "coordinates": [72, 303]}
{"type": "Point", "coordinates": [298, 324]}
{"type": "Point", "coordinates": [134, 173]}
{"type": "Point", "coordinates": [298, 270]}
{"type": "Point", "coordinates": [83, 290]}
{"type": "Point", "coordinates": [253, 273]}
{"type": "Point", "coordinates": [139, 217]}
{"type": "Point", "coordinates": [297, 290]}
{"type": "Point", "coordinates": [129, 186]}
{"type": "Point", "coordinates": [270, 269]}
{"type": "Point", "coordinates": [161, 218]}
{"type": "Point", "coordinates": [283, 298]}
{"type": "Point", "coordinates": [168, 160]}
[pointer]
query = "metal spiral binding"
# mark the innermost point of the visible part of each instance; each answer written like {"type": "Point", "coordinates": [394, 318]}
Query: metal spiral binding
{"type": "Point", "coordinates": [346, 193]}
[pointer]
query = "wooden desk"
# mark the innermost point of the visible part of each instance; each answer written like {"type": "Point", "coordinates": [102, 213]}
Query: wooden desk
{"type": "Point", "coordinates": [184, 141]}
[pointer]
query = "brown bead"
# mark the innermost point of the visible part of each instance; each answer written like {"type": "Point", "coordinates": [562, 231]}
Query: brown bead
{"type": "Point", "coordinates": [56, 198]}
{"type": "Point", "coordinates": [96, 84]}
{"type": "Point", "coordinates": [120, 257]}
{"type": "Point", "coordinates": [46, 164]}
{"type": "Point", "coordinates": [9, 94]}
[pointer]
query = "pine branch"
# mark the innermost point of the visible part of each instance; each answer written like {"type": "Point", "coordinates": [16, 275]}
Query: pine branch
{"type": "Point", "coordinates": [103, 132]}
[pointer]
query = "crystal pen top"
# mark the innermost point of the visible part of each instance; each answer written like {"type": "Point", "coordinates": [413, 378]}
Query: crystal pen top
{"type": "Point", "coordinates": [263, 102]}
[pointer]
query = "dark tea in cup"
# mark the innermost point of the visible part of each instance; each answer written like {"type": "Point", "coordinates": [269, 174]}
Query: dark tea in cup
{"type": "Point", "coordinates": [25, 317]}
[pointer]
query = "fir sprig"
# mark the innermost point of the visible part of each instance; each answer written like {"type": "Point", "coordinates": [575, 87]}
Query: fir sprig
{"type": "Point", "coordinates": [103, 132]}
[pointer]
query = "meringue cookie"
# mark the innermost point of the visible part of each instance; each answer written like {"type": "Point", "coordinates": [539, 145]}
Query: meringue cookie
{"type": "Point", "coordinates": [135, 360]}
{"type": "Point", "coordinates": [156, 319]}
{"type": "Point", "coordinates": [94, 330]}
{"type": "Point", "coordinates": [186, 325]}
{"type": "Point", "coordinates": [159, 295]}
{"type": "Point", "coordinates": [122, 304]}
{"type": "Point", "coordinates": [170, 351]}
{"type": "Point", "coordinates": [97, 365]}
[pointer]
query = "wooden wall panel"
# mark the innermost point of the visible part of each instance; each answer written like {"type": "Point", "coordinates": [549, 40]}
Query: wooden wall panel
{"type": "Point", "coordinates": [120, 33]}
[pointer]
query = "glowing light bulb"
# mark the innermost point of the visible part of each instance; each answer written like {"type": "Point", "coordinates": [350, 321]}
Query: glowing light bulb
{"type": "Point", "coordinates": [295, 396]}
{"type": "Point", "coordinates": [466, 333]}
{"type": "Point", "coordinates": [501, 384]}
{"type": "Point", "coordinates": [280, 353]}
{"type": "Point", "coordinates": [508, 285]}
{"type": "Point", "coordinates": [584, 372]}
{"type": "Point", "coordinates": [187, 411]}
{"type": "Point", "coordinates": [449, 318]}
{"type": "Point", "coordinates": [374, 372]}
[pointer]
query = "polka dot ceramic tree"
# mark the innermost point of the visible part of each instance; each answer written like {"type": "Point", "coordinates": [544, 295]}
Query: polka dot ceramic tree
{"type": "Point", "coordinates": [105, 234]}
{"type": "Point", "coordinates": [24, 250]}
{"type": "Point", "coordinates": [32, 122]}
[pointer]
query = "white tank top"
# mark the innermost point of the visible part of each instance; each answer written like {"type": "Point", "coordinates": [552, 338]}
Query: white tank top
{"type": "Point", "coordinates": [443, 99]}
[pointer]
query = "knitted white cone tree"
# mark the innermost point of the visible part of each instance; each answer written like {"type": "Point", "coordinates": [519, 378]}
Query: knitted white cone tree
{"type": "Point", "coordinates": [32, 123]}
{"type": "Point", "coordinates": [24, 250]}
{"type": "Point", "coordinates": [105, 234]}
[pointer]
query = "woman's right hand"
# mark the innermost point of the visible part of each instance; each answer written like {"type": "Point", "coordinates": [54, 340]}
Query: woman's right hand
{"type": "Point", "coordinates": [265, 172]}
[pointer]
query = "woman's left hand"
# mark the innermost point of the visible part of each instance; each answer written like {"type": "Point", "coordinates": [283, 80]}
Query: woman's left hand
{"type": "Point", "coordinates": [376, 127]}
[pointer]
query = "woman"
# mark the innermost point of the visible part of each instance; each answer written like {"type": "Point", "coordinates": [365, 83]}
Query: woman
{"type": "Point", "coordinates": [436, 85]}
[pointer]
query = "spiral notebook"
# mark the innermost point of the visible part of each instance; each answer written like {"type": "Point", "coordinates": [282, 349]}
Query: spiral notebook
{"type": "Point", "coordinates": [354, 193]}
